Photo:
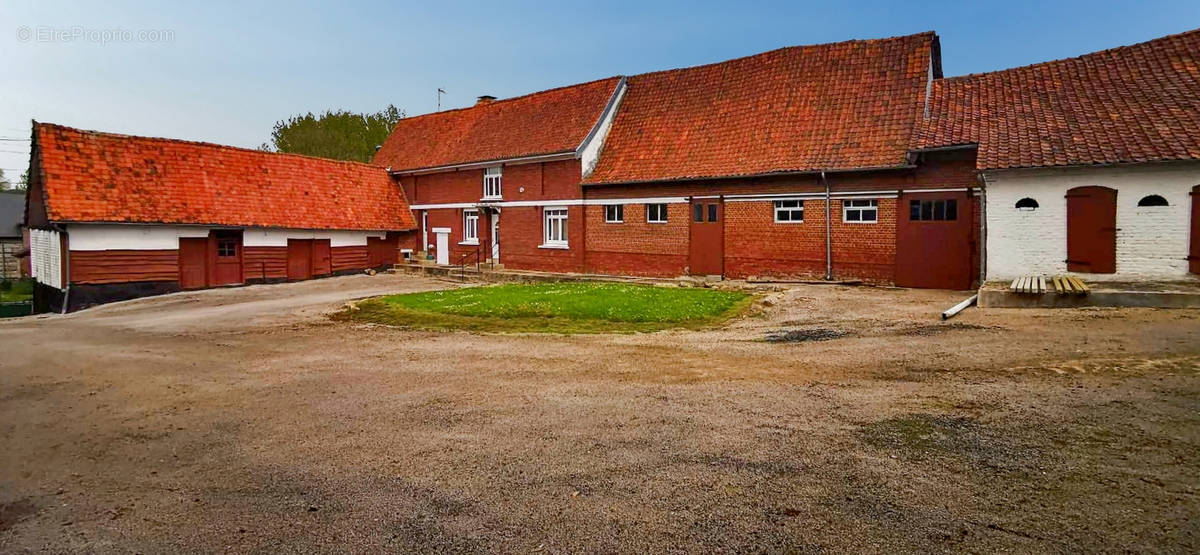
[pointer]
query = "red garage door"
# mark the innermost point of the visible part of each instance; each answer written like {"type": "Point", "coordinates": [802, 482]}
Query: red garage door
{"type": "Point", "coordinates": [226, 257]}
{"type": "Point", "coordinates": [322, 258]}
{"type": "Point", "coordinates": [1092, 230]}
{"type": "Point", "coordinates": [933, 240]}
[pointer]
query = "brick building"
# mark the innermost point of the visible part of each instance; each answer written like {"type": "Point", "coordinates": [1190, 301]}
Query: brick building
{"type": "Point", "coordinates": [789, 163]}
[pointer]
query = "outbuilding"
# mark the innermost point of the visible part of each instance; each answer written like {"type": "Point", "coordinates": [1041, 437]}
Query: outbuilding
{"type": "Point", "coordinates": [114, 217]}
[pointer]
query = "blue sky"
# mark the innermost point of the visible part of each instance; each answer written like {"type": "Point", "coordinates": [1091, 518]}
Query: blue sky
{"type": "Point", "coordinates": [229, 70]}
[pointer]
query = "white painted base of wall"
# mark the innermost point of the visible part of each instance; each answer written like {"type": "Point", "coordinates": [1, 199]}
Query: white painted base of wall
{"type": "Point", "coordinates": [1152, 242]}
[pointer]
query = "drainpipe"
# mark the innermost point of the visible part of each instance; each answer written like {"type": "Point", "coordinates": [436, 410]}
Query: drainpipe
{"type": "Point", "coordinates": [65, 244]}
{"type": "Point", "coordinates": [983, 229]}
{"type": "Point", "coordinates": [828, 231]}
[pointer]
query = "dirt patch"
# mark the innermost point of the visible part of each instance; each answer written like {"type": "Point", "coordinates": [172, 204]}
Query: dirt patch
{"type": "Point", "coordinates": [799, 336]}
{"type": "Point", "coordinates": [13, 511]}
{"type": "Point", "coordinates": [244, 420]}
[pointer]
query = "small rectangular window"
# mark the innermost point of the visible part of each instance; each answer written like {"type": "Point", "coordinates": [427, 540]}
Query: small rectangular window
{"type": "Point", "coordinates": [656, 213]}
{"type": "Point", "coordinates": [789, 211]}
{"type": "Point", "coordinates": [470, 226]}
{"type": "Point", "coordinates": [491, 183]}
{"type": "Point", "coordinates": [554, 229]}
{"type": "Point", "coordinates": [860, 211]}
{"type": "Point", "coordinates": [614, 213]}
{"type": "Point", "coordinates": [933, 210]}
{"type": "Point", "coordinates": [712, 212]}
{"type": "Point", "coordinates": [698, 213]}
{"type": "Point", "coordinates": [226, 248]}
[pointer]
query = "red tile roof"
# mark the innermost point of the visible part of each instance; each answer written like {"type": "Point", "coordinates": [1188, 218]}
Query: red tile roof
{"type": "Point", "coordinates": [1131, 104]}
{"type": "Point", "coordinates": [104, 177]}
{"type": "Point", "coordinates": [546, 122]}
{"type": "Point", "coordinates": [833, 106]}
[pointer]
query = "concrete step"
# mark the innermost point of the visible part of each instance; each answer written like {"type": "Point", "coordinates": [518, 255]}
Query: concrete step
{"type": "Point", "coordinates": [1147, 294]}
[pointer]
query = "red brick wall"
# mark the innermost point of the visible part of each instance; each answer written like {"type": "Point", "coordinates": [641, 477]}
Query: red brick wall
{"type": "Point", "coordinates": [637, 247]}
{"type": "Point", "coordinates": [521, 237]}
{"type": "Point", "coordinates": [757, 246]}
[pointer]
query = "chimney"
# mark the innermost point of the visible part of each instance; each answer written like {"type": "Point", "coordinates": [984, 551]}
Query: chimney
{"type": "Point", "coordinates": [485, 99]}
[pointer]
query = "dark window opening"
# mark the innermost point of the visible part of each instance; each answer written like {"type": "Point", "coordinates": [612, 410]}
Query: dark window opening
{"type": "Point", "coordinates": [712, 212]}
{"type": "Point", "coordinates": [1152, 200]}
{"type": "Point", "coordinates": [1027, 204]}
{"type": "Point", "coordinates": [933, 210]}
{"type": "Point", "coordinates": [698, 212]}
{"type": "Point", "coordinates": [226, 247]}
{"type": "Point", "coordinates": [656, 213]}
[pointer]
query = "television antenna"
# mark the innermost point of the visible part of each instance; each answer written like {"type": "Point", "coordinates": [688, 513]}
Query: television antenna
{"type": "Point", "coordinates": [441, 91]}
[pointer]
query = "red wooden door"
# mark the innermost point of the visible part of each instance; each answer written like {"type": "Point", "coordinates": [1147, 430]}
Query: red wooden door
{"type": "Point", "coordinates": [933, 240]}
{"type": "Point", "coordinates": [322, 258]}
{"type": "Point", "coordinates": [299, 259]}
{"type": "Point", "coordinates": [1092, 230]}
{"type": "Point", "coordinates": [706, 246]}
{"type": "Point", "coordinates": [226, 257]}
{"type": "Point", "coordinates": [193, 263]}
{"type": "Point", "coordinates": [1194, 255]}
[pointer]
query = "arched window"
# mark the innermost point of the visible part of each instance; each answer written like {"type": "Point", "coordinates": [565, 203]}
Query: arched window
{"type": "Point", "coordinates": [1026, 204]}
{"type": "Point", "coordinates": [1152, 200]}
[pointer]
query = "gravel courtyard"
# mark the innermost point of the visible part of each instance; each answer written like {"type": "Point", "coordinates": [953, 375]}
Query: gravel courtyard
{"type": "Point", "coordinates": [246, 420]}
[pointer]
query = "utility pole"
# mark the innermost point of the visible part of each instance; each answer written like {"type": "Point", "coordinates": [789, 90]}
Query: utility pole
{"type": "Point", "coordinates": [441, 91]}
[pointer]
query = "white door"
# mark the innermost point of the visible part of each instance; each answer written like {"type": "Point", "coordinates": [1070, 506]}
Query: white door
{"type": "Point", "coordinates": [443, 245]}
{"type": "Point", "coordinates": [496, 237]}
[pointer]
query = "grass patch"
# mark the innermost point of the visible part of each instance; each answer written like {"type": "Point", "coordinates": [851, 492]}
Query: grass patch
{"type": "Point", "coordinates": [16, 291]}
{"type": "Point", "coordinates": [554, 308]}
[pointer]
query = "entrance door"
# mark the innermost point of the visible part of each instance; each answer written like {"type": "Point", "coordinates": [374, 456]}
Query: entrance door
{"type": "Point", "coordinates": [443, 245]}
{"type": "Point", "coordinates": [322, 258]}
{"type": "Point", "coordinates": [933, 241]}
{"type": "Point", "coordinates": [1092, 230]}
{"type": "Point", "coordinates": [1194, 255]}
{"type": "Point", "coordinates": [495, 237]}
{"type": "Point", "coordinates": [299, 259]}
{"type": "Point", "coordinates": [424, 232]}
{"type": "Point", "coordinates": [706, 246]}
{"type": "Point", "coordinates": [227, 257]}
{"type": "Point", "coordinates": [193, 263]}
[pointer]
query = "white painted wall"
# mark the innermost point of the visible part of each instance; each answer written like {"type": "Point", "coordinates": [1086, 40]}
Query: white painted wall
{"type": "Point", "coordinates": [590, 151]}
{"type": "Point", "coordinates": [1152, 243]}
{"type": "Point", "coordinates": [99, 237]}
{"type": "Point", "coordinates": [45, 252]}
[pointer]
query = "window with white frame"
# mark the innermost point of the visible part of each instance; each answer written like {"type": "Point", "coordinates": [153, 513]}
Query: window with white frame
{"type": "Point", "coordinates": [491, 182]}
{"type": "Point", "coordinates": [614, 213]}
{"type": "Point", "coordinates": [471, 226]}
{"type": "Point", "coordinates": [554, 227]}
{"type": "Point", "coordinates": [789, 211]}
{"type": "Point", "coordinates": [656, 213]}
{"type": "Point", "coordinates": [860, 211]}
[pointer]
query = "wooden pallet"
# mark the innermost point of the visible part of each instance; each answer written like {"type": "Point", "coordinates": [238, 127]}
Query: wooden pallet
{"type": "Point", "coordinates": [1030, 284]}
{"type": "Point", "coordinates": [1070, 285]}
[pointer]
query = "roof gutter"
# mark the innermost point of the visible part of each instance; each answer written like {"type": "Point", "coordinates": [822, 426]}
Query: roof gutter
{"type": "Point", "coordinates": [754, 175]}
{"type": "Point", "coordinates": [564, 155]}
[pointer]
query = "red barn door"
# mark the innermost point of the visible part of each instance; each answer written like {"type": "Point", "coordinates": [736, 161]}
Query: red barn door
{"type": "Point", "coordinates": [1092, 230]}
{"type": "Point", "coordinates": [933, 240]}
{"type": "Point", "coordinates": [226, 257]}
{"type": "Point", "coordinates": [1194, 255]}
{"type": "Point", "coordinates": [193, 263]}
{"type": "Point", "coordinates": [322, 258]}
{"type": "Point", "coordinates": [299, 259]}
{"type": "Point", "coordinates": [706, 251]}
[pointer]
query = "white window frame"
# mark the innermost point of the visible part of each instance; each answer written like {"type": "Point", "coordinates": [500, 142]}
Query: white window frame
{"type": "Point", "coordinates": [493, 183]}
{"type": "Point", "coordinates": [859, 205]}
{"type": "Point", "coordinates": [664, 213]}
{"type": "Point", "coordinates": [617, 216]}
{"type": "Point", "coordinates": [780, 207]}
{"type": "Point", "coordinates": [554, 227]}
{"type": "Point", "coordinates": [470, 234]}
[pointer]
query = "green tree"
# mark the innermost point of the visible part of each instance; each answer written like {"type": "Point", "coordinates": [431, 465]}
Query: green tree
{"type": "Point", "coordinates": [340, 135]}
